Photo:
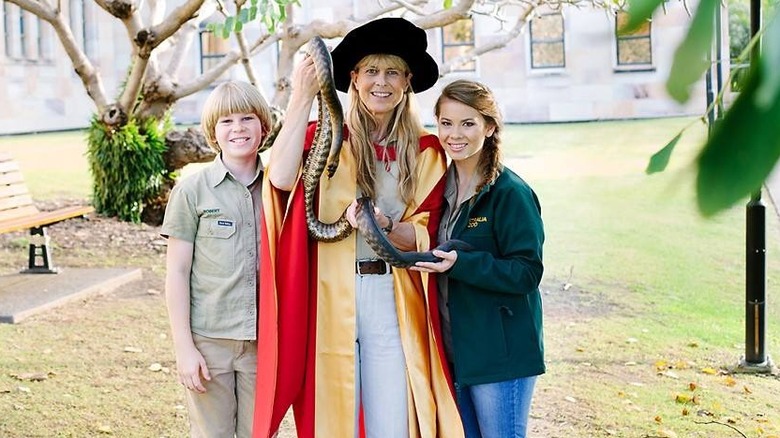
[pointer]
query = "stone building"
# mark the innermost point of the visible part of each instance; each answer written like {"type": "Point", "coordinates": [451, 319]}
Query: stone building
{"type": "Point", "coordinates": [568, 65]}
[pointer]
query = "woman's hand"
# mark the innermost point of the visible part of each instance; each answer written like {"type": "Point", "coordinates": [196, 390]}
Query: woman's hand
{"type": "Point", "coordinates": [351, 215]}
{"type": "Point", "coordinates": [448, 260]}
{"type": "Point", "coordinates": [304, 80]}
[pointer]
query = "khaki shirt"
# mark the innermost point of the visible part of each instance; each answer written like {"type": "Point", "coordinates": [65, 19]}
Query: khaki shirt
{"type": "Point", "coordinates": [219, 216]}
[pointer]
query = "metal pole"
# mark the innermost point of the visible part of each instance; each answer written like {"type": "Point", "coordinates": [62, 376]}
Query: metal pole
{"type": "Point", "coordinates": [755, 281]}
{"type": "Point", "coordinates": [755, 359]}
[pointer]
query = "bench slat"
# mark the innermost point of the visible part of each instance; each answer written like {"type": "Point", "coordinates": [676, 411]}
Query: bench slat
{"type": "Point", "coordinates": [9, 215]}
{"type": "Point", "coordinates": [43, 218]}
{"type": "Point", "coordinates": [8, 190]}
{"type": "Point", "coordinates": [9, 166]}
{"type": "Point", "coordinates": [11, 178]}
{"type": "Point", "coordinates": [13, 202]}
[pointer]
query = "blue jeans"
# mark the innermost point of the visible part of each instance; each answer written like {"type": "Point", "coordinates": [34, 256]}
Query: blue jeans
{"type": "Point", "coordinates": [496, 410]}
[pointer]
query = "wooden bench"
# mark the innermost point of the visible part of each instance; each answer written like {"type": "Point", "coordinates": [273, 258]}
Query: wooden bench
{"type": "Point", "coordinates": [17, 212]}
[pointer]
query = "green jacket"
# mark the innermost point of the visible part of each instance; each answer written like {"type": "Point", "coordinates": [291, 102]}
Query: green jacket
{"type": "Point", "coordinates": [494, 302]}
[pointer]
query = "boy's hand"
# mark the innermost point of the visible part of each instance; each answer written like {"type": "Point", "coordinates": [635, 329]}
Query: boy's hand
{"type": "Point", "coordinates": [191, 367]}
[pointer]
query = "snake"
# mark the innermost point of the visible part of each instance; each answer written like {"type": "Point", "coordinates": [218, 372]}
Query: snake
{"type": "Point", "coordinates": [377, 240]}
{"type": "Point", "coordinates": [324, 152]}
{"type": "Point", "coordinates": [325, 146]}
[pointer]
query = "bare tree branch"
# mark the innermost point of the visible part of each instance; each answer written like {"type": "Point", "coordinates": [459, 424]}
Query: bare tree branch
{"type": "Point", "coordinates": [497, 43]}
{"type": "Point", "coordinates": [81, 64]}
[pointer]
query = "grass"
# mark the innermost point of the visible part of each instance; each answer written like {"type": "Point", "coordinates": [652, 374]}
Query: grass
{"type": "Point", "coordinates": [644, 301]}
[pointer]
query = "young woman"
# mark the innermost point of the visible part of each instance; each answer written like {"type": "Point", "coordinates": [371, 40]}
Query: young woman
{"type": "Point", "coordinates": [372, 365]}
{"type": "Point", "coordinates": [489, 299]}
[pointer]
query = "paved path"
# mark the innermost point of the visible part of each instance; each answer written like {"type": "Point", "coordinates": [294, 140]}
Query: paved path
{"type": "Point", "coordinates": [22, 295]}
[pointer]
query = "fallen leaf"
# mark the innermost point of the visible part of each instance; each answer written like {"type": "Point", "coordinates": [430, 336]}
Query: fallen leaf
{"type": "Point", "coordinates": [23, 389]}
{"type": "Point", "coordinates": [155, 367]}
{"type": "Point", "coordinates": [667, 433]}
{"type": "Point", "coordinates": [729, 381]}
{"type": "Point", "coordinates": [670, 374]}
{"type": "Point", "coordinates": [658, 419]}
{"type": "Point", "coordinates": [683, 398]}
{"type": "Point", "coordinates": [661, 365]}
{"type": "Point", "coordinates": [747, 390]}
{"type": "Point", "coordinates": [630, 363]}
{"type": "Point", "coordinates": [133, 350]}
{"type": "Point", "coordinates": [709, 370]}
{"type": "Point", "coordinates": [692, 386]}
{"type": "Point", "coordinates": [570, 399]}
{"type": "Point", "coordinates": [104, 428]}
{"type": "Point", "coordinates": [632, 340]}
{"type": "Point", "coordinates": [685, 412]}
{"type": "Point", "coordinates": [693, 344]}
{"type": "Point", "coordinates": [682, 365]}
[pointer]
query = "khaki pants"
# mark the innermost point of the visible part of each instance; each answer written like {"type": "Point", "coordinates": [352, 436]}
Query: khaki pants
{"type": "Point", "coordinates": [226, 409]}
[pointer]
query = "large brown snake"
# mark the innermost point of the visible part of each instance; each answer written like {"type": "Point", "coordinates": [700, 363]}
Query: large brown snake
{"type": "Point", "coordinates": [326, 145]}
{"type": "Point", "coordinates": [325, 149]}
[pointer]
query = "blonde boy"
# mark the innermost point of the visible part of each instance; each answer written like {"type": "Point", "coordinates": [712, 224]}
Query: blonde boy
{"type": "Point", "coordinates": [212, 265]}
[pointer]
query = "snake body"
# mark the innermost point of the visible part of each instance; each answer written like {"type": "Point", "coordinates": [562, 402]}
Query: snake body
{"type": "Point", "coordinates": [378, 241]}
{"type": "Point", "coordinates": [325, 147]}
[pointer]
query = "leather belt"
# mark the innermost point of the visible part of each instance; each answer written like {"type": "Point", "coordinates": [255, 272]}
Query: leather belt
{"type": "Point", "coordinates": [372, 267]}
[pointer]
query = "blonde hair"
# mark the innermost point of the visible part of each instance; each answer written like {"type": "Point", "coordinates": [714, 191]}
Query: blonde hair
{"type": "Point", "coordinates": [479, 97]}
{"type": "Point", "coordinates": [404, 130]}
{"type": "Point", "coordinates": [233, 97]}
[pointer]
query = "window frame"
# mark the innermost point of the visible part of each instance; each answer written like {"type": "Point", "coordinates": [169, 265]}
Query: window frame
{"type": "Point", "coordinates": [532, 42]}
{"type": "Point", "coordinates": [468, 67]}
{"type": "Point", "coordinates": [633, 66]}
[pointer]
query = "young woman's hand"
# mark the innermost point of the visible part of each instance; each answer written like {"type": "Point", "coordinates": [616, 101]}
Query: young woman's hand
{"type": "Point", "coordinates": [448, 260]}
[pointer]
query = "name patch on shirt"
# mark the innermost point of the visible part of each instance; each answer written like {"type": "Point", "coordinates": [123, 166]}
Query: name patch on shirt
{"type": "Point", "coordinates": [475, 221]}
{"type": "Point", "coordinates": [224, 223]}
{"type": "Point", "coordinates": [210, 211]}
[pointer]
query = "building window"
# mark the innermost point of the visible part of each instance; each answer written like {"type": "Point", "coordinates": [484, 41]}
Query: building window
{"type": "Point", "coordinates": [8, 27]}
{"type": "Point", "coordinates": [547, 47]}
{"type": "Point", "coordinates": [25, 36]}
{"type": "Point", "coordinates": [635, 48]}
{"type": "Point", "coordinates": [81, 25]}
{"type": "Point", "coordinates": [212, 49]}
{"type": "Point", "coordinates": [457, 39]}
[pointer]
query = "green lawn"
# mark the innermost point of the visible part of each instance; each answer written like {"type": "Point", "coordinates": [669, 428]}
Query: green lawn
{"type": "Point", "coordinates": [644, 298]}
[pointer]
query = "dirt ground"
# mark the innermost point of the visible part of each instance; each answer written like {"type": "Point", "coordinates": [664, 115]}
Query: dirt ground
{"type": "Point", "coordinates": [107, 242]}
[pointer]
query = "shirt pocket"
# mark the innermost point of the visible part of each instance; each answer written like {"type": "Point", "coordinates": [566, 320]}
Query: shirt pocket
{"type": "Point", "coordinates": [215, 247]}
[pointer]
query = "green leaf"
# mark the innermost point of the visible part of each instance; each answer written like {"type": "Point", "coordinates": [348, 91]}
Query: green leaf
{"type": "Point", "coordinates": [230, 23]}
{"type": "Point", "coordinates": [447, 4]}
{"type": "Point", "coordinates": [243, 15]}
{"type": "Point", "coordinates": [639, 11]}
{"type": "Point", "coordinates": [770, 64]}
{"type": "Point", "coordinates": [226, 32]}
{"type": "Point", "coordinates": [741, 152]}
{"type": "Point", "coordinates": [660, 159]}
{"type": "Point", "coordinates": [691, 59]}
{"type": "Point", "coordinates": [252, 13]}
{"type": "Point", "coordinates": [239, 26]}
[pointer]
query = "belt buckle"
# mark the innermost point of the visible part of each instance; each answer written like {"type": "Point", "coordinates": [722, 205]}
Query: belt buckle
{"type": "Point", "coordinates": [384, 270]}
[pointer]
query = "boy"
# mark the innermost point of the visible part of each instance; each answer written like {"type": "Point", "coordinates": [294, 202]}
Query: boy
{"type": "Point", "coordinates": [212, 260]}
